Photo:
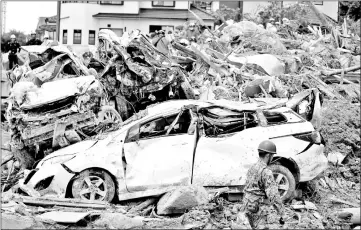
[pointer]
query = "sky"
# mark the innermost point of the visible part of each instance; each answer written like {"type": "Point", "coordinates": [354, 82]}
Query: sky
{"type": "Point", "coordinates": [24, 15]}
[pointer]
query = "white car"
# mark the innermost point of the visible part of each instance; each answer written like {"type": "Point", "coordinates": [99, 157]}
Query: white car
{"type": "Point", "coordinates": [183, 142]}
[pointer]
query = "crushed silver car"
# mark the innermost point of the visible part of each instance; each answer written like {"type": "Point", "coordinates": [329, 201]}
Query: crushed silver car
{"type": "Point", "coordinates": [182, 142]}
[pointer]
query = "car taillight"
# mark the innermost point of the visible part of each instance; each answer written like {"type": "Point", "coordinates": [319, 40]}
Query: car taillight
{"type": "Point", "coordinates": [312, 137]}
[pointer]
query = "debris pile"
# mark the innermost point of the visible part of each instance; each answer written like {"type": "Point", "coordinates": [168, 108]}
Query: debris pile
{"type": "Point", "coordinates": [317, 208]}
{"type": "Point", "coordinates": [236, 62]}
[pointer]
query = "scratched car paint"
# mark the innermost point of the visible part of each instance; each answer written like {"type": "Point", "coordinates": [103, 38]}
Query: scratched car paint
{"type": "Point", "coordinates": [184, 142]}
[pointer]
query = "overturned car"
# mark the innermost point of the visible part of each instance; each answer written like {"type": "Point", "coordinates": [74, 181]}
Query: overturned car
{"type": "Point", "coordinates": [182, 142]}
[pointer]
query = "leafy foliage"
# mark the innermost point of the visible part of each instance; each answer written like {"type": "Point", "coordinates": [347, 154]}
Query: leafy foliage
{"type": "Point", "coordinates": [277, 12]}
{"type": "Point", "coordinates": [228, 13]}
{"type": "Point", "coordinates": [350, 9]}
{"type": "Point", "coordinates": [20, 37]}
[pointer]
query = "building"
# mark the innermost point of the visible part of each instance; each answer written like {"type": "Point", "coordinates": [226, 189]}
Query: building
{"type": "Point", "coordinates": [80, 21]}
{"type": "Point", "coordinates": [329, 8]}
{"type": "Point", "coordinates": [46, 25]}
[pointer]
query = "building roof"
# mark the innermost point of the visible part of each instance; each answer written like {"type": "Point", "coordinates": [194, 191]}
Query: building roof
{"type": "Point", "coordinates": [160, 14]}
{"type": "Point", "coordinates": [311, 17]}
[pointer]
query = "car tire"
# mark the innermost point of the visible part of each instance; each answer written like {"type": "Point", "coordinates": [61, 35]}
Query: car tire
{"type": "Point", "coordinates": [284, 179]}
{"type": "Point", "coordinates": [109, 114]}
{"type": "Point", "coordinates": [93, 184]}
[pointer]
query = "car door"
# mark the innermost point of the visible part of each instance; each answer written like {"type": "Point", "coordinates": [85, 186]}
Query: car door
{"type": "Point", "coordinates": [155, 159]}
{"type": "Point", "coordinates": [224, 160]}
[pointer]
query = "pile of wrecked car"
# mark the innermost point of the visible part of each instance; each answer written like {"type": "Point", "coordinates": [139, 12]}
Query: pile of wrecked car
{"type": "Point", "coordinates": [207, 105]}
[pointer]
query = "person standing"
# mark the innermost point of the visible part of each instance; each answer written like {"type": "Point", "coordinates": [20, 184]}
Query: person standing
{"type": "Point", "coordinates": [261, 190]}
{"type": "Point", "coordinates": [33, 41]}
{"type": "Point", "coordinates": [46, 41]}
{"type": "Point", "coordinates": [13, 47]}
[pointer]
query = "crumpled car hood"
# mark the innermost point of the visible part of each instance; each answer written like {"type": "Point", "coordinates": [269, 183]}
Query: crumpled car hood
{"type": "Point", "coordinates": [68, 151]}
{"type": "Point", "coordinates": [49, 92]}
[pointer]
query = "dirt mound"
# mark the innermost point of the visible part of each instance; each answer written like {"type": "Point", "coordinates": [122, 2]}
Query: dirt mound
{"type": "Point", "coordinates": [341, 127]}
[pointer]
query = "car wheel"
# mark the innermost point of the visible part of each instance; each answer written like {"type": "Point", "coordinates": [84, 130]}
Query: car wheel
{"type": "Point", "coordinates": [285, 181]}
{"type": "Point", "coordinates": [108, 114]}
{"type": "Point", "coordinates": [92, 185]}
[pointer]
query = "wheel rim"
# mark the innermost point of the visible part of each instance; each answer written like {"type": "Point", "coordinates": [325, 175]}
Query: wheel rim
{"type": "Point", "coordinates": [109, 116]}
{"type": "Point", "coordinates": [282, 183]}
{"type": "Point", "coordinates": [93, 188]}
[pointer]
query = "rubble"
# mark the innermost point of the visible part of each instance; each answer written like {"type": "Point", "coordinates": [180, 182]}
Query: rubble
{"type": "Point", "coordinates": [316, 74]}
{"type": "Point", "coordinates": [117, 221]}
{"type": "Point", "coordinates": [181, 199]}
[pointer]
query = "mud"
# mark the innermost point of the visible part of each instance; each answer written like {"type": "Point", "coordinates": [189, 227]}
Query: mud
{"type": "Point", "coordinates": [341, 127]}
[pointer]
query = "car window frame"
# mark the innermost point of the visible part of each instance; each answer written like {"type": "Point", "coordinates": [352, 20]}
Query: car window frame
{"type": "Point", "coordinates": [255, 113]}
{"type": "Point", "coordinates": [279, 123]}
{"type": "Point", "coordinates": [139, 124]}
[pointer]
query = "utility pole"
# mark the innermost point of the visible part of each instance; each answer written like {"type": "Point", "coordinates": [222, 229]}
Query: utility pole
{"type": "Point", "coordinates": [58, 21]}
{"type": "Point", "coordinates": [3, 16]}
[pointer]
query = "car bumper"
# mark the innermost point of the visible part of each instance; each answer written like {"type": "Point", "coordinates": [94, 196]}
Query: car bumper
{"type": "Point", "coordinates": [55, 179]}
{"type": "Point", "coordinates": [311, 162]}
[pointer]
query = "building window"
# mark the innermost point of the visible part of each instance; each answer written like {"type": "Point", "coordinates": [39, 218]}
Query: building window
{"type": "Point", "coordinates": [65, 36]}
{"type": "Point", "coordinates": [77, 37]}
{"type": "Point", "coordinates": [111, 2]}
{"type": "Point", "coordinates": [153, 28]}
{"type": "Point", "coordinates": [163, 3]}
{"type": "Point", "coordinates": [203, 5]}
{"type": "Point", "coordinates": [91, 37]}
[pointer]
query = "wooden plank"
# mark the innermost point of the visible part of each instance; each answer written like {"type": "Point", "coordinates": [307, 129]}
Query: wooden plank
{"type": "Point", "coordinates": [338, 71]}
{"type": "Point", "coordinates": [184, 50]}
{"type": "Point", "coordinates": [39, 202]}
{"type": "Point", "coordinates": [324, 87]}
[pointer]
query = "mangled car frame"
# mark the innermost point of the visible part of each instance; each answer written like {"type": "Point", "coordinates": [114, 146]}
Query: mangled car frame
{"type": "Point", "coordinates": [181, 142]}
{"type": "Point", "coordinates": [137, 74]}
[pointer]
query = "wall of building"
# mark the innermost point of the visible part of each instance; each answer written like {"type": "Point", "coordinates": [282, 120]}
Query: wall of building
{"type": "Point", "coordinates": [79, 16]}
{"type": "Point", "coordinates": [329, 8]}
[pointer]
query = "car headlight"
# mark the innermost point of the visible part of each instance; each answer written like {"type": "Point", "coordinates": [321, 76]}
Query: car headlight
{"type": "Point", "coordinates": [58, 159]}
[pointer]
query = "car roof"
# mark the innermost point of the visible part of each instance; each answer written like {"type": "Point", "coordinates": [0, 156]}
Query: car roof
{"type": "Point", "coordinates": [175, 105]}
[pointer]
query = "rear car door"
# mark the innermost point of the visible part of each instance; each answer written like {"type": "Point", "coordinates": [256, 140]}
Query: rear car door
{"type": "Point", "coordinates": [156, 160]}
{"type": "Point", "coordinates": [223, 159]}
{"type": "Point", "coordinates": [296, 138]}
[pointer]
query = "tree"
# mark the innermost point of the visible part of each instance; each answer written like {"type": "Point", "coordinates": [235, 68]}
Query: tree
{"type": "Point", "coordinates": [228, 13]}
{"type": "Point", "coordinates": [276, 11]}
{"type": "Point", "coordinates": [349, 9]}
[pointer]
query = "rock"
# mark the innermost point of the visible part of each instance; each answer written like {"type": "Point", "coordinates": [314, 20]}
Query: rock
{"type": "Point", "coordinates": [19, 222]}
{"type": "Point", "coordinates": [336, 158]}
{"type": "Point", "coordinates": [118, 221]}
{"type": "Point", "coordinates": [181, 199]}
